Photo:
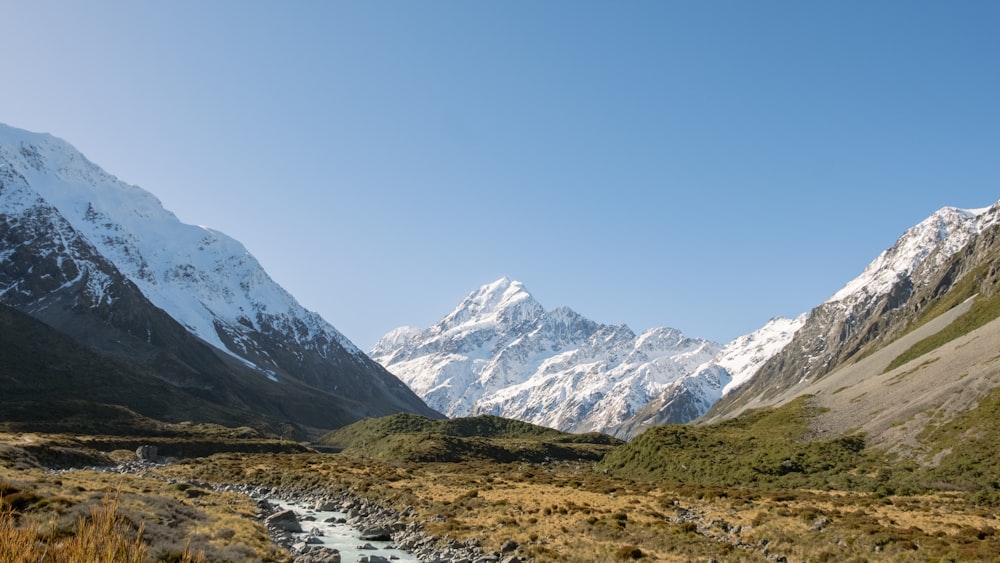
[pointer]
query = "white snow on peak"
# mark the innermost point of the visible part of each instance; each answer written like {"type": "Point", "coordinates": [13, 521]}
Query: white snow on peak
{"type": "Point", "coordinates": [939, 236]}
{"type": "Point", "coordinates": [204, 279]}
{"type": "Point", "coordinates": [500, 352]}
{"type": "Point", "coordinates": [743, 356]}
{"type": "Point", "coordinates": [504, 302]}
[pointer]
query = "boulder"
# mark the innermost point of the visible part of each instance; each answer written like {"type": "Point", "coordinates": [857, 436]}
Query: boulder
{"type": "Point", "coordinates": [319, 555]}
{"type": "Point", "coordinates": [146, 453]}
{"type": "Point", "coordinates": [379, 533]}
{"type": "Point", "coordinates": [325, 505]}
{"type": "Point", "coordinates": [284, 520]}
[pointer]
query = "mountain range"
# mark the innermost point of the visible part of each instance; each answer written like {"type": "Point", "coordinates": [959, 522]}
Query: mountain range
{"type": "Point", "coordinates": [499, 352]}
{"type": "Point", "coordinates": [106, 298]}
{"type": "Point", "coordinates": [104, 263]}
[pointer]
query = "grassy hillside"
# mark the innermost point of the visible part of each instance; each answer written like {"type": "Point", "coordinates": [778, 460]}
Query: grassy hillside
{"type": "Point", "coordinates": [408, 437]}
{"type": "Point", "coordinates": [773, 449]}
{"type": "Point", "coordinates": [764, 448]}
{"type": "Point", "coordinates": [964, 454]}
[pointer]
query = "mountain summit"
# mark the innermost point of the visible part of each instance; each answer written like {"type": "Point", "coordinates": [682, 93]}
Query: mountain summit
{"type": "Point", "coordinates": [500, 352]}
{"type": "Point", "coordinates": [95, 257]}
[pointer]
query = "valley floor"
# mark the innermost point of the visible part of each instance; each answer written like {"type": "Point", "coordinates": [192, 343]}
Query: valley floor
{"type": "Point", "coordinates": [555, 511]}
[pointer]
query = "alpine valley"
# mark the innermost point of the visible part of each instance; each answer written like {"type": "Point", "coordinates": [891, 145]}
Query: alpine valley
{"type": "Point", "coordinates": [162, 399]}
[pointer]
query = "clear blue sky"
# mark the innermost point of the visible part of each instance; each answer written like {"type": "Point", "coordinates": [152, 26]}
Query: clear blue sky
{"type": "Point", "coordinates": [704, 165]}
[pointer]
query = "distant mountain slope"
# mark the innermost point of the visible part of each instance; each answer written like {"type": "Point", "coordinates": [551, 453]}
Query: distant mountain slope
{"type": "Point", "coordinates": [874, 310]}
{"type": "Point", "coordinates": [691, 396]}
{"type": "Point", "coordinates": [104, 262]}
{"type": "Point", "coordinates": [501, 353]}
{"type": "Point", "coordinates": [938, 405]}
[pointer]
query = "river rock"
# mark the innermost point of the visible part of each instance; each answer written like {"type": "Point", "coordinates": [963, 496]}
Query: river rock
{"type": "Point", "coordinates": [146, 453]}
{"type": "Point", "coordinates": [379, 533]}
{"type": "Point", "coordinates": [325, 505]}
{"type": "Point", "coordinates": [284, 520]}
{"type": "Point", "coordinates": [319, 555]}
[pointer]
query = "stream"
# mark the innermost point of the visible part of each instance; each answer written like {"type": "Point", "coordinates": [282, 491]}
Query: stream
{"type": "Point", "coordinates": [323, 526]}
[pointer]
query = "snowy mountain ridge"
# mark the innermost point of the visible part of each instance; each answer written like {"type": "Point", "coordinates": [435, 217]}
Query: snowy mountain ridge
{"type": "Point", "coordinates": [500, 352]}
{"type": "Point", "coordinates": [201, 277]}
{"type": "Point", "coordinates": [870, 310]}
{"type": "Point", "coordinates": [692, 395]}
{"type": "Point", "coordinates": [612, 380]}
{"type": "Point", "coordinates": [940, 235]}
{"type": "Point", "coordinates": [104, 263]}
{"type": "Point", "coordinates": [742, 357]}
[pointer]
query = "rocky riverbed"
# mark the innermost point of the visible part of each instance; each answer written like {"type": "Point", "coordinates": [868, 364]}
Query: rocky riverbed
{"type": "Point", "coordinates": [312, 526]}
{"type": "Point", "coordinates": [340, 527]}
{"type": "Point", "coordinates": [318, 526]}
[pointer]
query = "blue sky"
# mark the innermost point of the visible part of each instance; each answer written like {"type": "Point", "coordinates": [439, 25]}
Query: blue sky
{"type": "Point", "coordinates": [700, 165]}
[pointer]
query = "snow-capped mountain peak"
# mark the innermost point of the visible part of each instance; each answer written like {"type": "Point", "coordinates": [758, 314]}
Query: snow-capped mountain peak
{"type": "Point", "coordinates": [505, 302]}
{"type": "Point", "coordinates": [206, 280]}
{"type": "Point", "coordinates": [106, 263]}
{"type": "Point", "coordinates": [500, 352]}
{"type": "Point", "coordinates": [942, 234]}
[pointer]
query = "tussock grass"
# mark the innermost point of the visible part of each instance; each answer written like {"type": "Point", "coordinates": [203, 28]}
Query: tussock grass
{"type": "Point", "coordinates": [744, 490]}
{"type": "Point", "coordinates": [174, 518]}
{"type": "Point", "coordinates": [105, 536]}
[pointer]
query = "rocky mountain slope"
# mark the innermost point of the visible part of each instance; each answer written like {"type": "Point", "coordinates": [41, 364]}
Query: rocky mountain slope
{"type": "Point", "coordinates": [873, 310]}
{"type": "Point", "coordinates": [501, 353]}
{"type": "Point", "coordinates": [104, 262]}
{"type": "Point", "coordinates": [691, 396]}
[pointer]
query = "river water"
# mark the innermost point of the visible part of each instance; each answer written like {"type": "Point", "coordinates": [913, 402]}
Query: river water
{"type": "Point", "coordinates": [342, 537]}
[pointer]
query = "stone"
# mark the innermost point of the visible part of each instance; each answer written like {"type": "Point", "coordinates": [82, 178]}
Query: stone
{"type": "Point", "coordinates": [300, 547]}
{"type": "Point", "coordinates": [508, 546]}
{"type": "Point", "coordinates": [325, 505]}
{"type": "Point", "coordinates": [284, 520]}
{"type": "Point", "coordinates": [319, 555]}
{"type": "Point", "coordinates": [146, 453]}
{"type": "Point", "coordinates": [380, 533]}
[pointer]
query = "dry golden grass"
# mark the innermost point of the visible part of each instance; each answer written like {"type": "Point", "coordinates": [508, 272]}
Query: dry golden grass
{"type": "Point", "coordinates": [103, 537]}
{"type": "Point", "coordinates": [567, 511]}
{"type": "Point", "coordinates": [174, 519]}
{"type": "Point", "coordinates": [570, 512]}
